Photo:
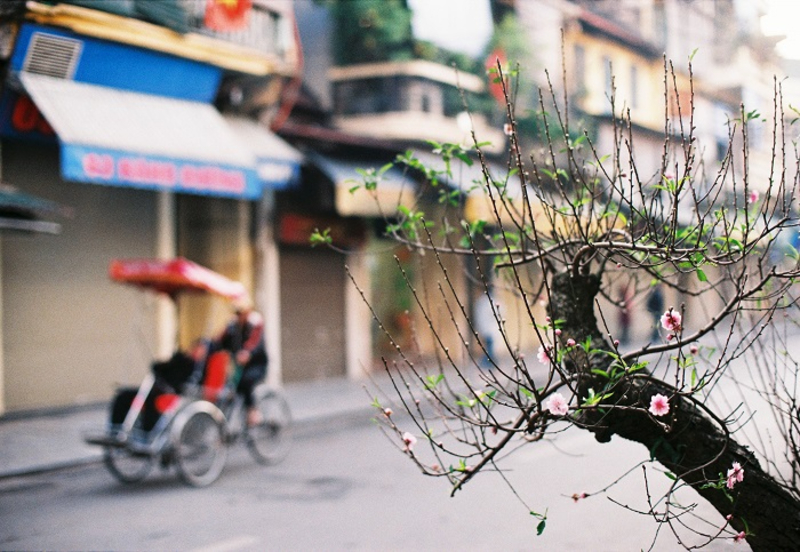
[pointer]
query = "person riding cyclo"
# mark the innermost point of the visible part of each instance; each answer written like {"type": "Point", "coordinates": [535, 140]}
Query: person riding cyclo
{"type": "Point", "coordinates": [243, 338]}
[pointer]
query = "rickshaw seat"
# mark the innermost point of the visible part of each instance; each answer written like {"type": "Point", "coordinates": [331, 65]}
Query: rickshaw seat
{"type": "Point", "coordinates": [215, 375]}
{"type": "Point", "coordinates": [166, 402]}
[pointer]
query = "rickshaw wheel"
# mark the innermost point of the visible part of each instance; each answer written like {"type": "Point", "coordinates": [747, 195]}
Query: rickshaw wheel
{"type": "Point", "coordinates": [125, 465]}
{"type": "Point", "coordinates": [199, 443]}
{"type": "Point", "coordinates": [269, 441]}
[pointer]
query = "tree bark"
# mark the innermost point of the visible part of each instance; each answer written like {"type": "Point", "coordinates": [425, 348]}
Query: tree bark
{"type": "Point", "coordinates": [694, 447]}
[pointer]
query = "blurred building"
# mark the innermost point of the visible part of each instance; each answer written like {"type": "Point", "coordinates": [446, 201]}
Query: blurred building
{"type": "Point", "coordinates": [149, 120]}
{"type": "Point", "coordinates": [639, 52]}
{"type": "Point", "coordinates": [153, 124]}
{"type": "Point", "coordinates": [377, 80]}
{"type": "Point", "coordinates": [374, 91]}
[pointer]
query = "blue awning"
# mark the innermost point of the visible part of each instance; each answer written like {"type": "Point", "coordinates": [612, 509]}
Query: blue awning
{"type": "Point", "coordinates": [123, 138]}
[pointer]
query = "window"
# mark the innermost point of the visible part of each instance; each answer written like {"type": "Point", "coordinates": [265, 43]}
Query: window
{"type": "Point", "coordinates": [580, 69]}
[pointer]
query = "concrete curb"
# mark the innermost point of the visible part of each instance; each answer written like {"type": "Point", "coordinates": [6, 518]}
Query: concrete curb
{"type": "Point", "coordinates": [34, 461]}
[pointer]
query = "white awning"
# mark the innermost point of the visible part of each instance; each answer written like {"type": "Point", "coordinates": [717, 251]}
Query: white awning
{"type": "Point", "coordinates": [123, 138]}
{"type": "Point", "coordinates": [278, 163]}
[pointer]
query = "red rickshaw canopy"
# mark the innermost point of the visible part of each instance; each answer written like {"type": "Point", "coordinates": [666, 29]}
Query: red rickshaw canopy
{"type": "Point", "coordinates": [173, 276]}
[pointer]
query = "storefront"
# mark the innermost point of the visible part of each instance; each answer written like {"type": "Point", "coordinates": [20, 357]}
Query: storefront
{"type": "Point", "coordinates": [130, 140]}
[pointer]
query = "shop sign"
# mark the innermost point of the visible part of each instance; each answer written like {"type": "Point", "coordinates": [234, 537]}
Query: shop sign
{"type": "Point", "coordinates": [98, 166]}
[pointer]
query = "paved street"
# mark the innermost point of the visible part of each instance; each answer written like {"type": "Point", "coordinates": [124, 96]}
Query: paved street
{"type": "Point", "coordinates": [344, 487]}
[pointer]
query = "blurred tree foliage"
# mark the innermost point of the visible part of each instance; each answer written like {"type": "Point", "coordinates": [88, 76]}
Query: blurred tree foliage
{"type": "Point", "coordinates": [367, 31]}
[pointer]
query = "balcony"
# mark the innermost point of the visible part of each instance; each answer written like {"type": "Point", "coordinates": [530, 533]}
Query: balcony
{"type": "Point", "coordinates": [264, 44]}
{"type": "Point", "coordinates": [412, 101]}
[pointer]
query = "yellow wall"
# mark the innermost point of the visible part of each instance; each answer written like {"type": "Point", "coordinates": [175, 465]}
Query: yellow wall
{"type": "Point", "coordinates": [649, 110]}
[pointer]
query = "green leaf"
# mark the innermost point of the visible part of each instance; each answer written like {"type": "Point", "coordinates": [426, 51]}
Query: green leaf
{"type": "Point", "coordinates": [540, 527]}
{"type": "Point", "coordinates": [464, 157]}
{"type": "Point", "coordinates": [320, 238]}
{"type": "Point", "coordinates": [639, 366]}
{"type": "Point", "coordinates": [701, 276]}
{"type": "Point", "coordinates": [469, 403]}
{"type": "Point", "coordinates": [433, 381]}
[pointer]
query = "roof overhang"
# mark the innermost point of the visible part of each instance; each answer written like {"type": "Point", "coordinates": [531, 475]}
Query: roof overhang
{"type": "Point", "coordinates": [123, 138]}
{"type": "Point", "coordinates": [393, 190]}
{"type": "Point", "coordinates": [414, 68]}
{"type": "Point", "coordinates": [277, 162]}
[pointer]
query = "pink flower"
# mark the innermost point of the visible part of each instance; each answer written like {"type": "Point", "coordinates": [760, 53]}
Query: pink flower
{"type": "Point", "coordinates": [387, 412]}
{"type": "Point", "coordinates": [558, 332]}
{"type": "Point", "coordinates": [557, 404]}
{"type": "Point", "coordinates": [570, 342]}
{"type": "Point", "coordinates": [693, 349]}
{"type": "Point", "coordinates": [507, 129]}
{"type": "Point", "coordinates": [409, 441]}
{"type": "Point", "coordinates": [735, 475]}
{"type": "Point", "coordinates": [659, 405]}
{"type": "Point", "coordinates": [740, 536]}
{"type": "Point", "coordinates": [671, 320]}
{"type": "Point", "coordinates": [543, 355]}
{"type": "Point", "coordinates": [752, 197]}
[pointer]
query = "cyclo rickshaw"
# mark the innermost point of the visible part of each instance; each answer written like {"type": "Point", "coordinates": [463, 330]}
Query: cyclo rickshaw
{"type": "Point", "coordinates": [186, 411]}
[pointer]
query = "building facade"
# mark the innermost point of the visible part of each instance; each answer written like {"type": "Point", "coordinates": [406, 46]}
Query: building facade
{"type": "Point", "coordinates": [149, 121]}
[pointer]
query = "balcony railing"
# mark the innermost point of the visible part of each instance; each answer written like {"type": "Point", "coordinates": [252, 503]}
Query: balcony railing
{"type": "Point", "coordinates": [266, 31]}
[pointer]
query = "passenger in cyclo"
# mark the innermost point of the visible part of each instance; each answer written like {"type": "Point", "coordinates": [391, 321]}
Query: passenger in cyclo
{"type": "Point", "coordinates": [243, 338]}
{"type": "Point", "coordinates": [206, 364]}
{"type": "Point", "coordinates": [172, 376]}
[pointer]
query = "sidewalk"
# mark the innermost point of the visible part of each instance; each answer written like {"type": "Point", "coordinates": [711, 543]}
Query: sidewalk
{"type": "Point", "coordinates": [49, 441]}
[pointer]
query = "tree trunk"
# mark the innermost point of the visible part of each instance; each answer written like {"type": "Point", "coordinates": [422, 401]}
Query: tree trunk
{"type": "Point", "coordinates": [695, 447]}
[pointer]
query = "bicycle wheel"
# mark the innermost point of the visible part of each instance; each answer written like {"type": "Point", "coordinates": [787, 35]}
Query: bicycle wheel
{"type": "Point", "coordinates": [270, 440]}
{"type": "Point", "coordinates": [125, 465]}
{"type": "Point", "coordinates": [199, 444]}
